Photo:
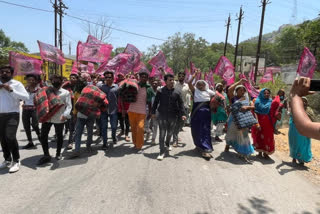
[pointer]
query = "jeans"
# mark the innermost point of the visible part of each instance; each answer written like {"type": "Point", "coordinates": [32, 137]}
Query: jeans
{"type": "Point", "coordinates": [9, 123]}
{"type": "Point", "coordinates": [81, 122]}
{"type": "Point", "coordinates": [124, 123]}
{"type": "Point", "coordinates": [104, 126]}
{"type": "Point", "coordinates": [72, 125]}
{"type": "Point", "coordinates": [45, 129]}
{"type": "Point", "coordinates": [26, 116]}
{"type": "Point", "coordinates": [166, 126]}
{"type": "Point", "coordinates": [154, 125]}
{"type": "Point", "coordinates": [179, 125]}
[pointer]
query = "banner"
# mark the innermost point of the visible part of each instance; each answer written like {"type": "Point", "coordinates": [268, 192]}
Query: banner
{"type": "Point", "coordinates": [51, 53]}
{"type": "Point", "coordinates": [114, 64]}
{"type": "Point", "coordinates": [307, 64]}
{"type": "Point", "coordinates": [24, 65]}
{"type": "Point", "coordinates": [93, 40]}
{"type": "Point", "coordinates": [225, 69]}
{"type": "Point", "coordinates": [133, 60]}
{"type": "Point", "coordinates": [90, 68]}
{"type": "Point", "coordinates": [93, 52]}
{"type": "Point", "coordinates": [267, 77]}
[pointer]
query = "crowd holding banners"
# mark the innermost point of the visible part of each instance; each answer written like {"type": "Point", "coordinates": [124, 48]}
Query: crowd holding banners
{"type": "Point", "coordinates": [129, 93]}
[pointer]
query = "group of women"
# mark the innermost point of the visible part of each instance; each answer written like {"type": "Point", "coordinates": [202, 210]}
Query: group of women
{"type": "Point", "coordinates": [216, 107]}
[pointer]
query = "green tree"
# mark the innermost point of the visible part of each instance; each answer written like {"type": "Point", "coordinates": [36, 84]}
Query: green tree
{"type": "Point", "coordinates": [6, 45]}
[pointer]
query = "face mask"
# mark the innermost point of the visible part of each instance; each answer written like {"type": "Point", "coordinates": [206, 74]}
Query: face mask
{"type": "Point", "coordinates": [281, 97]}
{"type": "Point", "coordinates": [5, 78]}
{"type": "Point", "coordinates": [56, 84]}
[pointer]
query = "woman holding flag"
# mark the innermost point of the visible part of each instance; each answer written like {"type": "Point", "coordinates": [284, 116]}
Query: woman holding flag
{"type": "Point", "coordinates": [201, 116]}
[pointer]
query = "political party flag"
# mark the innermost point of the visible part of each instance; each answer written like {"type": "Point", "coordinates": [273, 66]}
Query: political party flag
{"type": "Point", "coordinates": [307, 64]}
{"type": "Point", "coordinates": [141, 68]}
{"type": "Point", "coordinates": [267, 77]}
{"type": "Point", "coordinates": [93, 40]}
{"type": "Point", "coordinates": [160, 61]}
{"type": "Point", "coordinates": [187, 75]}
{"type": "Point", "coordinates": [51, 53]}
{"type": "Point", "coordinates": [133, 60]}
{"type": "Point", "coordinates": [251, 74]}
{"type": "Point", "coordinates": [210, 78]}
{"type": "Point", "coordinates": [114, 64]}
{"type": "Point", "coordinates": [93, 52]}
{"type": "Point", "coordinates": [24, 65]}
{"type": "Point", "coordinates": [225, 69]}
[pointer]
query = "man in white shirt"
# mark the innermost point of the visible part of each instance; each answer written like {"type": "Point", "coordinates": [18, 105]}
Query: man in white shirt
{"type": "Point", "coordinates": [58, 120]}
{"type": "Point", "coordinates": [183, 89]}
{"type": "Point", "coordinates": [11, 92]}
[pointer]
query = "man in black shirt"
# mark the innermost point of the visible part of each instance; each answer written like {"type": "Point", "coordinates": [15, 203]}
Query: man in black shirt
{"type": "Point", "coordinates": [169, 104]}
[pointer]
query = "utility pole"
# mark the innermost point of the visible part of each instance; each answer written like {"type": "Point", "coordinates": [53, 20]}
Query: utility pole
{"type": "Point", "coordinates": [241, 51]}
{"type": "Point", "coordinates": [238, 35]}
{"type": "Point", "coordinates": [226, 42]}
{"type": "Point", "coordinates": [55, 7]}
{"type": "Point", "coordinates": [264, 4]}
{"type": "Point", "coordinates": [69, 48]}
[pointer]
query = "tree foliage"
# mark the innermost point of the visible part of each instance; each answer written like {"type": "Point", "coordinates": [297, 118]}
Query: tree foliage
{"type": "Point", "coordinates": [7, 45]}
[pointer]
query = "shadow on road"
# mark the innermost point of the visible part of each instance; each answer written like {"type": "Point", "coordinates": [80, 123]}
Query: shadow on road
{"type": "Point", "coordinates": [263, 160]}
{"type": "Point", "coordinates": [120, 151]}
{"type": "Point", "coordinates": [286, 167]}
{"type": "Point", "coordinates": [231, 157]}
{"type": "Point", "coordinates": [257, 205]}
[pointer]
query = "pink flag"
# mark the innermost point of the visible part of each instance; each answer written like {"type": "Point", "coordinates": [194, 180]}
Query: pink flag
{"type": "Point", "coordinates": [93, 52]}
{"type": "Point", "coordinates": [93, 40]}
{"type": "Point", "coordinates": [160, 61]}
{"type": "Point", "coordinates": [115, 63]}
{"type": "Point", "coordinates": [192, 70]}
{"type": "Point", "coordinates": [251, 74]}
{"type": "Point", "coordinates": [133, 61]}
{"type": "Point", "coordinates": [187, 75]}
{"type": "Point", "coordinates": [267, 77]}
{"type": "Point", "coordinates": [307, 64]}
{"type": "Point", "coordinates": [141, 68]}
{"type": "Point", "coordinates": [24, 65]}
{"type": "Point", "coordinates": [51, 53]}
{"type": "Point", "coordinates": [251, 90]}
{"type": "Point", "coordinates": [225, 69]}
{"type": "Point", "coordinates": [210, 78]}
{"type": "Point", "coordinates": [74, 69]}
{"type": "Point", "coordinates": [90, 68]}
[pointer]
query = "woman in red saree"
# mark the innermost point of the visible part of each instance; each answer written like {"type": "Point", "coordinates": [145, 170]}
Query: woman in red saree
{"type": "Point", "coordinates": [267, 112]}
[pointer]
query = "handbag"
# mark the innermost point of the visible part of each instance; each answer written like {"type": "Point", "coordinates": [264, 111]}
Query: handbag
{"type": "Point", "coordinates": [242, 119]}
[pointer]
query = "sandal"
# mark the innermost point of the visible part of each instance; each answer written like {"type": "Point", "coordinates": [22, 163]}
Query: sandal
{"type": "Point", "coordinates": [206, 156]}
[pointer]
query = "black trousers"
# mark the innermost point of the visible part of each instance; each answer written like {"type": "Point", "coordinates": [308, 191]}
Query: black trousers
{"type": "Point", "coordinates": [166, 127]}
{"type": "Point", "coordinates": [28, 115]}
{"type": "Point", "coordinates": [72, 127]}
{"type": "Point", "coordinates": [45, 129]}
{"type": "Point", "coordinates": [9, 123]}
{"type": "Point", "coordinates": [124, 121]}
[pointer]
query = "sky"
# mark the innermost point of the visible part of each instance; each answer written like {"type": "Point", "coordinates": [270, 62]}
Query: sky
{"type": "Point", "coordinates": [155, 18]}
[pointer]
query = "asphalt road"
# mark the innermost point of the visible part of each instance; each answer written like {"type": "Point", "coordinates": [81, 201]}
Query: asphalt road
{"type": "Point", "coordinates": [121, 181]}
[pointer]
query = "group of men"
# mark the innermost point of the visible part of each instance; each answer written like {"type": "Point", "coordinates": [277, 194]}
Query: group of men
{"type": "Point", "coordinates": [164, 106]}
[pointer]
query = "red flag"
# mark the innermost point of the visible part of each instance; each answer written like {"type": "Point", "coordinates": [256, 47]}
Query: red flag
{"type": "Point", "coordinates": [51, 53]}
{"type": "Point", "coordinates": [133, 61]}
{"type": "Point", "coordinates": [115, 63]}
{"type": "Point", "coordinates": [225, 69]}
{"type": "Point", "coordinates": [307, 64]}
{"type": "Point", "coordinates": [93, 40]}
{"type": "Point", "coordinates": [24, 65]}
{"type": "Point", "coordinates": [267, 77]}
{"type": "Point", "coordinates": [93, 52]}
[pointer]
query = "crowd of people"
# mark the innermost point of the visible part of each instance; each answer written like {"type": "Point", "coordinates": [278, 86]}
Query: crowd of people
{"type": "Point", "coordinates": [157, 103]}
